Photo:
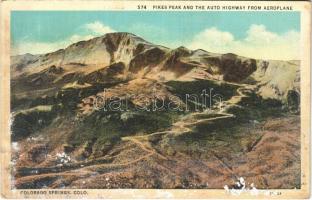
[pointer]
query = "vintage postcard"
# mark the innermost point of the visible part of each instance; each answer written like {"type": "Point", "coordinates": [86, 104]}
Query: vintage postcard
{"type": "Point", "coordinates": [155, 99]}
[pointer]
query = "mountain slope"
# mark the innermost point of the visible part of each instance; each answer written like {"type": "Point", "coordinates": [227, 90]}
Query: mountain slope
{"type": "Point", "coordinates": [143, 59]}
{"type": "Point", "coordinates": [118, 106]}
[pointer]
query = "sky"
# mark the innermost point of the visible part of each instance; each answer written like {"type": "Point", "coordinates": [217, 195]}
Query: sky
{"type": "Point", "coordinates": [265, 35]}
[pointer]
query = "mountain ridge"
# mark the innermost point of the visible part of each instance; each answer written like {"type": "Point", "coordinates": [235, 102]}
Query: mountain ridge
{"type": "Point", "coordinates": [144, 59]}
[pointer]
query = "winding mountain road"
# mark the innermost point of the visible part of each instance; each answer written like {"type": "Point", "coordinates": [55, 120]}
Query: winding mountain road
{"type": "Point", "coordinates": [181, 127]}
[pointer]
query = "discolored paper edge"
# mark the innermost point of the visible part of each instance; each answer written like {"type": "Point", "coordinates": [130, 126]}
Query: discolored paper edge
{"type": "Point", "coordinates": [7, 6]}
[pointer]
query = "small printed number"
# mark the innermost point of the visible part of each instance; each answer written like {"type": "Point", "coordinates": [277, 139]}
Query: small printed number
{"type": "Point", "coordinates": [275, 193]}
{"type": "Point", "coordinates": [141, 7]}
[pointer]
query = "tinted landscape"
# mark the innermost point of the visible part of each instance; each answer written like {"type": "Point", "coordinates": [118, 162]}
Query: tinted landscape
{"type": "Point", "coordinates": [117, 111]}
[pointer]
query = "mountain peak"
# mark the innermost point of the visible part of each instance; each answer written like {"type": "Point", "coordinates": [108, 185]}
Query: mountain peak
{"type": "Point", "coordinates": [120, 34]}
{"type": "Point", "coordinates": [113, 38]}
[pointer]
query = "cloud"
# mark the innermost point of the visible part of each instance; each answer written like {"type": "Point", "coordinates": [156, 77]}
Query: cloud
{"type": "Point", "coordinates": [258, 43]}
{"type": "Point", "coordinates": [98, 28]}
{"type": "Point", "coordinates": [213, 37]}
{"type": "Point", "coordinates": [89, 31]}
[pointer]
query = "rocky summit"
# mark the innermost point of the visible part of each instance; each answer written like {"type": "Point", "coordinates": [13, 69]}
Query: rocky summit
{"type": "Point", "coordinates": [117, 111]}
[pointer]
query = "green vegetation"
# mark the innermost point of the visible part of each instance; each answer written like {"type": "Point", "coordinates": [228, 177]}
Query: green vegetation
{"type": "Point", "coordinates": [217, 89]}
{"type": "Point", "coordinates": [104, 128]}
{"type": "Point", "coordinates": [31, 120]}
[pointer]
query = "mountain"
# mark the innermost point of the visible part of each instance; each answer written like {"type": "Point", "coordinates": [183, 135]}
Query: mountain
{"type": "Point", "coordinates": [133, 56]}
{"type": "Point", "coordinates": [125, 109]}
